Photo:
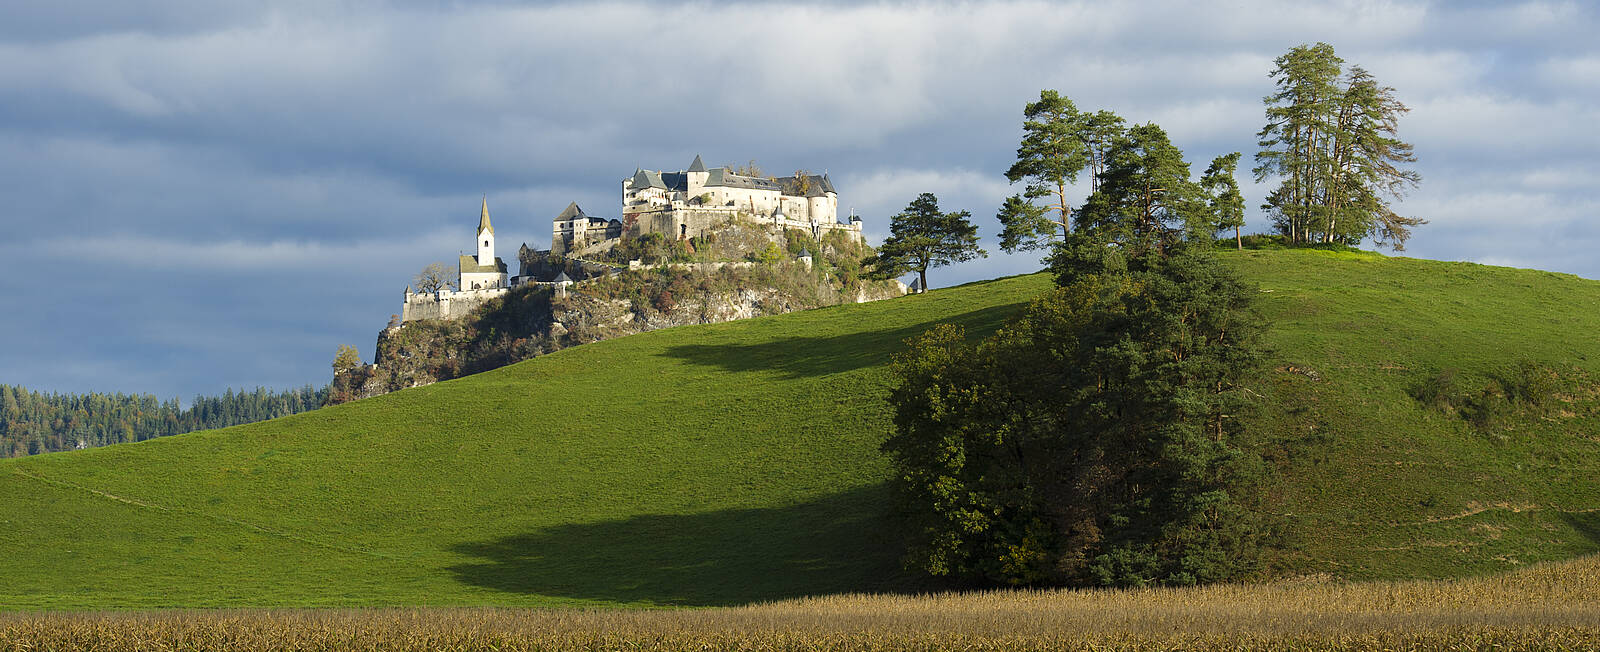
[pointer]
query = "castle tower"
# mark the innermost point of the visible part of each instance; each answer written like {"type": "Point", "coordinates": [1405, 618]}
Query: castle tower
{"type": "Point", "coordinates": [485, 236]}
{"type": "Point", "coordinates": [695, 178]}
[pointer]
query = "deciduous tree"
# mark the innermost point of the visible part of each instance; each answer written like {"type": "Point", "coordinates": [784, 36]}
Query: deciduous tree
{"type": "Point", "coordinates": [433, 278]}
{"type": "Point", "coordinates": [1094, 441]}
{"type": "Point", "coordinates": [346, 359]}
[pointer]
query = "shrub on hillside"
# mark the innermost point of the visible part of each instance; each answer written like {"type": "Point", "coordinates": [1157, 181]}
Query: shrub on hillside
{"type": "Point", "coordinates": [1097, 440]}
{"type": "Point", "coordinates": [1507, 395]}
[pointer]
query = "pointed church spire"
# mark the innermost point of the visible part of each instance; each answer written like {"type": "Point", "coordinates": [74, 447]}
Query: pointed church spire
{"type": "Point", "coordinates": [483, 220]}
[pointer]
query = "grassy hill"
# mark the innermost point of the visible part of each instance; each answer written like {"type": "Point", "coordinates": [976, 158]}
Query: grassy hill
{"type": "Point", "coordinates": [738, 462]}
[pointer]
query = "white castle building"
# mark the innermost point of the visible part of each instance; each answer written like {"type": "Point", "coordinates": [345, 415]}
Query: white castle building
{"type": "Point", "coordinates": [678, 205]}
{"type": "Point", "coordinates": [690, 202]}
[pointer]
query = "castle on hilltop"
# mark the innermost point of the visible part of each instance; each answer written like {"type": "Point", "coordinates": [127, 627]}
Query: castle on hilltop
{"type": "Point", "coordinates": [678, 205]}
{"type": "Point", "coordinates": [688, 203]}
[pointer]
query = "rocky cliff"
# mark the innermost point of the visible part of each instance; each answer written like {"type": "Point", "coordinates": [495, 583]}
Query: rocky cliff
{"type": "Point", "coordinates": [531, 321]}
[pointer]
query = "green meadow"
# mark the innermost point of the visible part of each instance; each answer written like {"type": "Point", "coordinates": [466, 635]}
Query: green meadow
{"type": "Point", "coordinates": [738, 462]}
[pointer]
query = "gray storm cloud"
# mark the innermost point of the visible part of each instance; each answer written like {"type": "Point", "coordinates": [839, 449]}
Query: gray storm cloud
{"type": "Point", "coordinates": [203, 194]}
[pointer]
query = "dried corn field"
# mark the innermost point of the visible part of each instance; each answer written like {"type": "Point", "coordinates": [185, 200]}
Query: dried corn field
{"type": "Point", "coordinates": [1548, 607]}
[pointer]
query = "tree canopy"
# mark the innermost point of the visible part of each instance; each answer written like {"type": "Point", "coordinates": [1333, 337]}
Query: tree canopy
{"type": "Point", "coordinates": [1097, 440]}
{"type": "Point", "coordinates": [1145, 186]}
{"type": "Point", "coordinates": [924, 236]}
{"type": "Point", "coordinates": [1055, 147]}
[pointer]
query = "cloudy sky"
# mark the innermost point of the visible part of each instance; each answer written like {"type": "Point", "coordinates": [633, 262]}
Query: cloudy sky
{"type": "Point", "coordinates": [198, 194]}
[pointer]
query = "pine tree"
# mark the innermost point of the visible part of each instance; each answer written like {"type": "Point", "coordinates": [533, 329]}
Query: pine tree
{"type": "Point", "coordinates": [1299, 122]}
{"type": "Point", "coordinates": [1054, 149]}
{"type": "Point", "coordinates": [923, 236]}
{"type": "Point", "coordinates": [1226, 203]}
{"type": "Point", "coordinates": [1145, 191]}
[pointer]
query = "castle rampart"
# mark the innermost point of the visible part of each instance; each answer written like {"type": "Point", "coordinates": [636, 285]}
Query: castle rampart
{"type": "Point", "coordinates": [445, 304]}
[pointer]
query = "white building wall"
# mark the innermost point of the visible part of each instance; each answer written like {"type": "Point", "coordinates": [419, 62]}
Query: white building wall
{"type": "Point", "coordinates": [482, 280]}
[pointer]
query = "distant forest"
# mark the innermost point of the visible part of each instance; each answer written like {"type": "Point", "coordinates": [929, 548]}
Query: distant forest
{"type": "Point", "coordinates": [32, 422]}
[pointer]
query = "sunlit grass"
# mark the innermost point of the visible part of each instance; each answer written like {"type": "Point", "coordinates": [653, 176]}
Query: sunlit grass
{"type": "Point", "coordinates": [735, 463]}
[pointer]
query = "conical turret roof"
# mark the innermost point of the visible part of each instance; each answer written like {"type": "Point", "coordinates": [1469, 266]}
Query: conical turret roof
{"type": "Point", "coordinates": [483, 219]}
{"type": "Point", "coordinates": [562, 278]}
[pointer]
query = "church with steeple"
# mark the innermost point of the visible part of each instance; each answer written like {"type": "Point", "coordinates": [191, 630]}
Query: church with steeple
{"type": "Point", "coordinates": [483, 271]}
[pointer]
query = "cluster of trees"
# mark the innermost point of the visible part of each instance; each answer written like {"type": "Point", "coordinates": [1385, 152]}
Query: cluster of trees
{"type": "Point", "coordinates": [1100, 438]}
{"type": "Point", "coordinates": [1138, 180]}
{"type": "Point", "coordinates": [1097, 440]}
{"type": "Point", "coordinates": [33, 422]}
{"type": "Point", "coordinates": [1331, 138]}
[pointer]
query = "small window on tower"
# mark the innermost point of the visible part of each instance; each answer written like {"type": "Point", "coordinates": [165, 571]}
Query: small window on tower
{"type": "Point", "coordinates": [485, 243]}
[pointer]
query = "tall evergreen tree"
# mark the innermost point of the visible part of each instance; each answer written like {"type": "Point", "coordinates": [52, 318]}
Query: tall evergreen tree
{"type": "Point", "coordinates": [1144, 192]}
{"type": "Point", "coordinates": [1058, 143]}
{"type": "Point", "coordinates": [1367, 165]}
{"type": "Point", "coordinates": [1222, 191]}
{"type": "Point", "coordinates": [923, 236]}
{"type": "Point", "coordinates": [1100, 131]}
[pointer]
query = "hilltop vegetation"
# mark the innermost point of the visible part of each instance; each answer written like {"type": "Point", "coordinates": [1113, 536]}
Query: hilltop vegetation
{"type": "Point", "coordinates": [737, 462]}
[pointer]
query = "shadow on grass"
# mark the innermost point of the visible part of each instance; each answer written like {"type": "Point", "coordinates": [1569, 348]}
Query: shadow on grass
{"type": "Point", "coordinates": [836, 544]}
{"type": "Point", "coordinates": [798, 357]}
{"type": "Point", "coordinates": [1586, 524]}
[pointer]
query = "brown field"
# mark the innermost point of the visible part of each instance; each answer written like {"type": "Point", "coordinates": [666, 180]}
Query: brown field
{"type": "Point", "coordinates": [1555, 607]}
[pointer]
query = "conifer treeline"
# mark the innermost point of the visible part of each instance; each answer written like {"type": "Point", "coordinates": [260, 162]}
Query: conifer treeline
{"type": "Point", "coordinates": [33, 422]}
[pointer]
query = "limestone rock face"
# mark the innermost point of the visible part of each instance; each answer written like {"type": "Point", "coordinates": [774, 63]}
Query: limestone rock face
{"type": "Point", "coordinates": [745, 272]}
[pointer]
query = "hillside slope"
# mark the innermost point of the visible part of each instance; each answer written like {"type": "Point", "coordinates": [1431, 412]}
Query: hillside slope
{"type": "Point", "coordinates": [737, 462]}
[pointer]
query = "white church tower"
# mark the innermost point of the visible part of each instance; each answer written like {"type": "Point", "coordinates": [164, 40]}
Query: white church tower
{"type": "Point", "coordinates": [483, 271]}
{"type": "Point", "coordinates": [485, 236]}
